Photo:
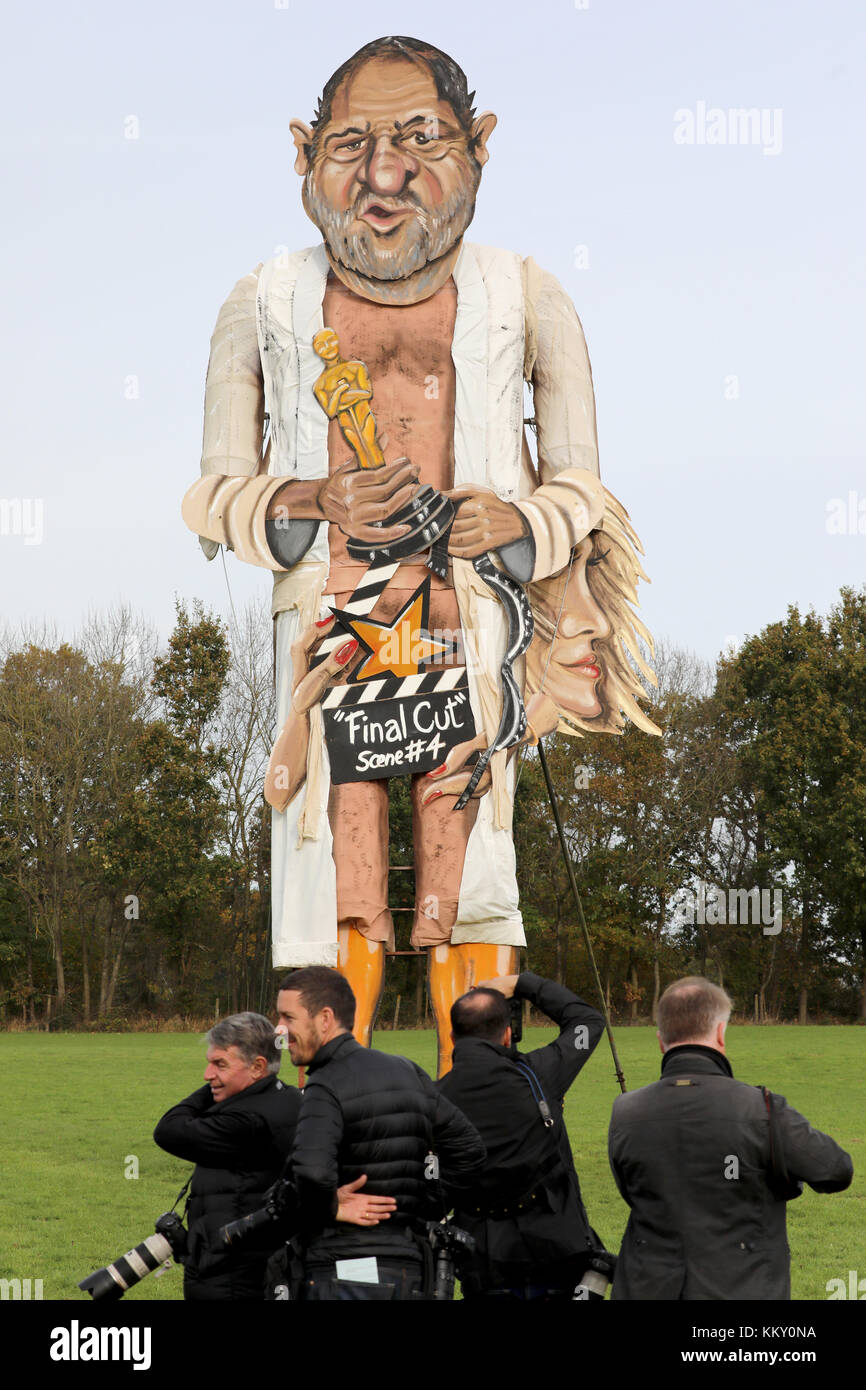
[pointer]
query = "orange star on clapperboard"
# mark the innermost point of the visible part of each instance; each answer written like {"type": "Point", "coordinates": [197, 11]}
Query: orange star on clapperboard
{"type": "Point", "coordinates": [398, 648]}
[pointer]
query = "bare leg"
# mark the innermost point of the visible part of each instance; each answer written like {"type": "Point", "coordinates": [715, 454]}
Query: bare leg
{"type": "Point", "coordinates": [440, 837]}
{"type": "Point", "coordinates": [358, 812]}
{"type": "Point", "coordinates": [359, 820]}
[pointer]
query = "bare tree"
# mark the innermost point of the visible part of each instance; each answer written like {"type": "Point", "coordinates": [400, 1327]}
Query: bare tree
{"type": "Point", "coordinates": [246, 733]}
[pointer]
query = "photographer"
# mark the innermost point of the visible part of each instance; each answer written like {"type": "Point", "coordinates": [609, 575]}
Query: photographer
{"type": "Point", "coordinates": [708, 1164]}
{"type": "Point", "coordinates": [238, 1130]}
{"type": "Point", "coordinates": [524, 1209]}
{"type": "Point", "coordinates": [365, 1115]}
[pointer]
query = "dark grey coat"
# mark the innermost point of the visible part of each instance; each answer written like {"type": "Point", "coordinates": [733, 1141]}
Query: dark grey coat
{"type": "Point", "coordinates": [691, 1156]}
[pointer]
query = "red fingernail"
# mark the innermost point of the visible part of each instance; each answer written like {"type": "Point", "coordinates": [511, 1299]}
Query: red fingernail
{"type": "Point", "coordinates": [432, 797]}
{"type": "Point", "coordinates": [323, 622]}
{"type": "Point", "coordinates": [347, 650]}
{"type": "Point", "coordinates": [437, 770]}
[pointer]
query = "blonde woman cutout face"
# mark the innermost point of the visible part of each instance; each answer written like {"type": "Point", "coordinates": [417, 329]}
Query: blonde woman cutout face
{"type": "Point", "coordinates": [590, 662]}
{"type": "Point", "coordinates": [584, 660]}
{"type": "Point", "coordinates": [566, 656]}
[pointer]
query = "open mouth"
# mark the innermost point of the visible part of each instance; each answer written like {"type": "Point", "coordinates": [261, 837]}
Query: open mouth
{"type": "Point", "coordinates": [385, 219]}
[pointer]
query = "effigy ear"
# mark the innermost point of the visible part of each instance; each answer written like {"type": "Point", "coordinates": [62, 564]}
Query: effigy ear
{"type": "Point", "coordinates": [302, 135]}
{"type": "Point", "coordinates": [482, 128]}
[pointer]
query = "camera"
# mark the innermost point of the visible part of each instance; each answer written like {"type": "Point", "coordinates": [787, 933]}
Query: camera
{"type": "Point", "coordinates": [515, 1012]}
{"type": "Point", "coordinates": [112, 1281]}
{"type": "Point", "coordinates": [279, 1202]}
{"type": "Point", "coordinates": [448, 1244]}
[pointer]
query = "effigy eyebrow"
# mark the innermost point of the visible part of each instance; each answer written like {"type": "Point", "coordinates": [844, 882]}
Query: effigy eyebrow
{"type": "Point", "coordinates": [350, 130]}
{"type": "Point", "coordinates": [423, 120]}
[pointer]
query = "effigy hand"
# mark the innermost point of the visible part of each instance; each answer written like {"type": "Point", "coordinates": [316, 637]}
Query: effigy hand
{"type": "Point", "coordinates": [453, 776]}
{"type": "Point", "coordinates": [355, 498]}
{"type": "Point", "coordinates": [309, 686]}
{"type": "Point", "coordinates": [483, 522]}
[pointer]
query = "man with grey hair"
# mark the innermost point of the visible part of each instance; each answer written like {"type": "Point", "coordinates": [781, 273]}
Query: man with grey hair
{"type": "Point", "coordinates": [238, 1130]}
{"type": "Point", "coordinates": [707, 1164]}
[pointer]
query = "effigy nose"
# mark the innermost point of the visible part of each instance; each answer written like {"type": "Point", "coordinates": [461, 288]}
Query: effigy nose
{"type": "Point", "coordinates": [389, 169]}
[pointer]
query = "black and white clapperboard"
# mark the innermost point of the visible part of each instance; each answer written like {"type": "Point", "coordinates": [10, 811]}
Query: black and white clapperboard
{"type": "Point", "coordinates": [400, 712]}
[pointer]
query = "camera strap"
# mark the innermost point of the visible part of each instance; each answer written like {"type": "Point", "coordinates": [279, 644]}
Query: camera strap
{"type": "Point", "coordinates": [183, 1190]}
{"type": "Point", "coordinates": [555, 1160]}
{"type": "Point", "coordinates": [782, 1185]}
{"type": "Point", "coordinates": [538, 1095]}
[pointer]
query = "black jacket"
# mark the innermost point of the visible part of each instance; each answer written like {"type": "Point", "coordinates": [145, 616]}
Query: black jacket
{"type": "Point", "coordinates": [367, 1112]}
{"type": "Point", "coordinates": [239, 1147]}
{"type": "Point", "coordinates": [691, 1156]}
{"type": "Point", "coordinates": [544, 1242]}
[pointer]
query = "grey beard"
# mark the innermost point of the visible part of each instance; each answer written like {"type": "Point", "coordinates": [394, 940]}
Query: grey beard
{"type": "Point", "coordinates": [429, 236]}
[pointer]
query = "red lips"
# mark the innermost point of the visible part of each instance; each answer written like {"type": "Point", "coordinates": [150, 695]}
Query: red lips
{"type": "Point", "coordinates": [586, 667]}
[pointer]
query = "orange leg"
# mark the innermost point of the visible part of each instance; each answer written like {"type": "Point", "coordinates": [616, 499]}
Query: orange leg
{"type": "Point", "coordinates": [452, 971]}
{"type": "Point", "coordinates": [445, 974]}
{"type": "Point", "coordinates": [362, 963]}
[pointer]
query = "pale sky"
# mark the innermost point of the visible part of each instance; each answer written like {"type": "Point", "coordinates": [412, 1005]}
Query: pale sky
{"type": "Point", "coordinates": [721, 287]}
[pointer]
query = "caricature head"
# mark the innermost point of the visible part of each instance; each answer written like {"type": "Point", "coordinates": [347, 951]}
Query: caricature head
{"type": "Point", "coordinates": [585, 627]}
{"type": "Point", "coordinates": [392, 162]}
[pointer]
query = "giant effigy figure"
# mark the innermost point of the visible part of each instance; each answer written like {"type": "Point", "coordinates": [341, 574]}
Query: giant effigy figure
{"type": "Point", "coordinates": [432, 597]}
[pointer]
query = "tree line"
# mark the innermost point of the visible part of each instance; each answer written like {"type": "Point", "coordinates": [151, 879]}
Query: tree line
{"type": "Point", "coordinates": [134, 841]}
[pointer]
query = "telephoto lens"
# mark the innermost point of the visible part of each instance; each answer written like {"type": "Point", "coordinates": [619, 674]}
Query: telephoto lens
{"type": "Point", "coordinates": [113, 1281]}
{"type": "Point", "coordinates": [279, 1203]}
{"type": "Point", "coordinates": [236, 1232]}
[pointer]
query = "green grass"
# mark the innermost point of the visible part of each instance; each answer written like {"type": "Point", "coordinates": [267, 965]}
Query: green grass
{"type": "Point", "coordinates": [75, 1106]}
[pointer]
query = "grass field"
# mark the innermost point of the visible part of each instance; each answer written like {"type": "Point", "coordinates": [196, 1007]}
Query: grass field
{"type": "Point", "coordinates": [77, 1107]}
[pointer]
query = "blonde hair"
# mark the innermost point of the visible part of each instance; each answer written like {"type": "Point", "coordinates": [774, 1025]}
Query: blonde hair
{"type": "Point", "coordinates": [614, 587]}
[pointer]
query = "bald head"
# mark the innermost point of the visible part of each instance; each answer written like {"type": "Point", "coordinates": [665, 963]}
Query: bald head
{"type": "Point", "coordinates": [482, 1013]}
{"type": "Point", "coordinates": [693, 1010]}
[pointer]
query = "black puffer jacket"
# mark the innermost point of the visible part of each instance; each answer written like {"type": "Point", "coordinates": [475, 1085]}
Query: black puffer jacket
{"type": "Point", "coordinates": [239, 1147]}
{"type": "Point", "coordinates": [367, 1112]}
